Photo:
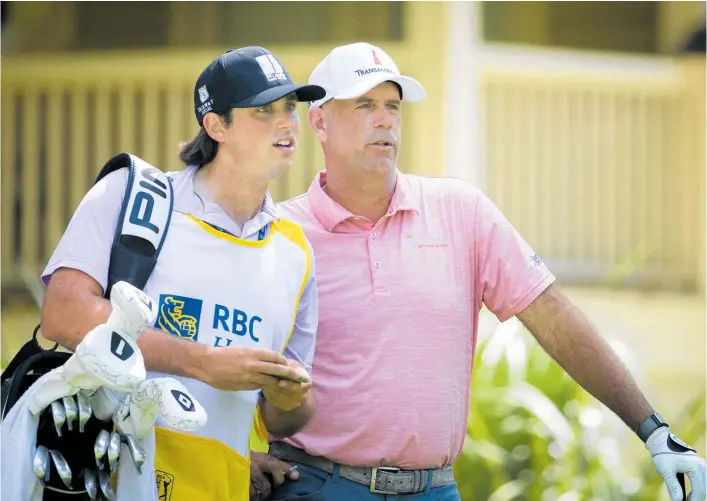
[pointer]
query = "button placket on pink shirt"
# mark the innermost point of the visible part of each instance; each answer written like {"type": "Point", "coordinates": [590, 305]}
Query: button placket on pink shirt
{"type": "Point", "coordinates": [377, 258]}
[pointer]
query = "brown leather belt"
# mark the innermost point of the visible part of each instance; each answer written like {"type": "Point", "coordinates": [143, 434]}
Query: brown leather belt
{"type": "Point", "coordinates": [381, 480]}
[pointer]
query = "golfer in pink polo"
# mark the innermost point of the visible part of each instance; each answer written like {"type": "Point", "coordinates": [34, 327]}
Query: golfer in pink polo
{"type": "Point", "coordinates": [404, 264]}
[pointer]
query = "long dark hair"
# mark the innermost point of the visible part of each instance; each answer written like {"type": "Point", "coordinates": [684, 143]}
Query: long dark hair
{"type": "Point", "coordinates": [202, 149]}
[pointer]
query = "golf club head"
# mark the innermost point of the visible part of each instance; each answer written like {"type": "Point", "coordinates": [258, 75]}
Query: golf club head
{"type": "Point", "coordinates": [71, 410]}
{"type": "Point", "coordinates": [58, 415]}
{"type": "Point", "coordinates": [62, 467]}
{"type": "Point", "coordinates": [53, 388]}
{"type": "Point", "coordinates": [90, 483]}
{"type": "Point", "coordinates": [113, 451]}
{"type": "Point", "coordinates": [174, 402]}
{"type": "Point", "coordinates": [133, 310]}
{"type": "Point", "coordinates": [40, 464]}
{"type": "Point", "coordinates": [104, 483]}
{"type": "Point", "coordinates": [84, 408]}
{"type": "Point", "coordinates": [136, 451]}
{"type": "Point", "coordinates": [100, 447]}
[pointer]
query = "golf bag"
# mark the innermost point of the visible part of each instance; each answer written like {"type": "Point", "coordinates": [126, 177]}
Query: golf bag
{"type": "Point", "coordinates": [142, 228]}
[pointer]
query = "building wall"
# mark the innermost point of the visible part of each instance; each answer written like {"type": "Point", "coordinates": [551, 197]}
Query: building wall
{"type": "Point", "coordinates": [595, 157]}
{"type": "Point", "coordinates": [64, 114]}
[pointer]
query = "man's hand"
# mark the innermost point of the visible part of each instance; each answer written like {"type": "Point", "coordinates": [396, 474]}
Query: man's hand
{"type": "Point", "coordinates": [286, 406]}
{"type": "Point", "coordinates": [671, 457]}
{"type": "Point", "coordinates": [287, 395]}
{"type": "Point", "coordinates": [237, 368]}
{"type": "Point", "coordinates": [266, 474]}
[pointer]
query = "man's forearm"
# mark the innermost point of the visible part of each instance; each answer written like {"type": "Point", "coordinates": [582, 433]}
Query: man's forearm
{"type": "Point", "coordinates": [68, 321]}
{"type": "Point", "coordinates": [568, 337]}
{"type": "Point", "coordinates": [281, 424]}
{"type": "Point", "coordinates": [172, 355]}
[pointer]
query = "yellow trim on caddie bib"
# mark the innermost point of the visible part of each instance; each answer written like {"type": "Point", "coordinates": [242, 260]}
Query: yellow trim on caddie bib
{"type": "Point", "coordinates": [295, 234]}
{"type": "Point", "coordinates": [229, 237]}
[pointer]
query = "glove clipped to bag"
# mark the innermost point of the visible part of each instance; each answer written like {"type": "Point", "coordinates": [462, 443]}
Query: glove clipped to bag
{"type": "Point", "coordinates": [674, 459]}
{"type": "Point", "coordinates": [108, 356]}
{"type": "Point", "coordinates": [163, 397]}
{"type": "Point", "coordinates": [73, 438]}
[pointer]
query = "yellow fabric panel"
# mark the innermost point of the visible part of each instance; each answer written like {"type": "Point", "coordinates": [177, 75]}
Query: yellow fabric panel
{"type": "Point", "coordinates": [192, 468]}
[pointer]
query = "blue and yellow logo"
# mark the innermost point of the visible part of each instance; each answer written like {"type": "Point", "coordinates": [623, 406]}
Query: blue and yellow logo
{"type": "Point", "coordinates": [179, 316]}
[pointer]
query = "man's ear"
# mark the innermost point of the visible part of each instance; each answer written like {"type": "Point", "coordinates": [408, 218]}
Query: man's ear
{"type": "Point", "coordinates": [315, 116]}
{"type": "Point", "coordinates": [214, 126]}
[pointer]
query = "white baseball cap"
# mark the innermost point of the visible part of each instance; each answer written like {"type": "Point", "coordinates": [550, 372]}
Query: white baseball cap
{"type": "Point", "coordinates": [349, 71]}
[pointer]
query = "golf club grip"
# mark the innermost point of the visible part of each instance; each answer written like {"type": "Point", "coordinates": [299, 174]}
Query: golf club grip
{"type": "Point", "coordinates": [681, 481]}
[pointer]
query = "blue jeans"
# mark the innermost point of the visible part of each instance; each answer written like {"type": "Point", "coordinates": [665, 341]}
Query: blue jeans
{"type": "Point", "coordinates": [317, 485]}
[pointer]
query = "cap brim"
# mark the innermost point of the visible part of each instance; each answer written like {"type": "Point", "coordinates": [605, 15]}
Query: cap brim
{"type": "Point", "coordinates": [413, 91]}
{"type": "Point", "coordinates": [303, 93]}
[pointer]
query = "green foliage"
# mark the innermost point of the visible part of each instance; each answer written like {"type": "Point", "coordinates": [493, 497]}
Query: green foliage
{"type": "Point", "coordinates": [536, 435]}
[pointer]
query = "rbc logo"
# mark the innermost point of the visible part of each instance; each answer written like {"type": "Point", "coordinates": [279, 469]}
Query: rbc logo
{"type": "Point", "coordinates": [236, 322]}
{"type": "Point", "coordinates": [179, 316]}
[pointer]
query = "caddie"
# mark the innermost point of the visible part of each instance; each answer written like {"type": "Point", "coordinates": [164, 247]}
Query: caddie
{"type": "Point", "coordinates": [233, 285]}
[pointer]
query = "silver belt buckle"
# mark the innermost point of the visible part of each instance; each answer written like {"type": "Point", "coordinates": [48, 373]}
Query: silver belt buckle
{"type": "Point", "coordinates": [374, 478]}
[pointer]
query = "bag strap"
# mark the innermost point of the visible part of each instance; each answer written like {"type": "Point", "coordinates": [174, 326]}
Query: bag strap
{"type": "Point", "coordinates": [139, 235]}
{"type": "Point", "coordinates": [30, 348]}
{"type": "Point", "coordinates": [143, 222]}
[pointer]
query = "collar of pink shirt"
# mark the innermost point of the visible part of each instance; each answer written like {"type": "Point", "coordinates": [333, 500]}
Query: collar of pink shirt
{"type": "Point", "coordinates": [330, 214]}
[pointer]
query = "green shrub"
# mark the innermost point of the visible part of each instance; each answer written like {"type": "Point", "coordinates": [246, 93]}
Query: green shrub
{"type": "Point", "coordinates": [536, 435]}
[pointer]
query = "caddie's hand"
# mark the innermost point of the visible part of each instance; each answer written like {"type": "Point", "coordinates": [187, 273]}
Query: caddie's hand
{"type": "Point", "coordinates": [267, 473]}
{"type": "Point", "coordinates": [288, 395]}
{"type": "Point", "coordinates": [672, 457]}
{"type": "Point", "coordinates": [239, 368]}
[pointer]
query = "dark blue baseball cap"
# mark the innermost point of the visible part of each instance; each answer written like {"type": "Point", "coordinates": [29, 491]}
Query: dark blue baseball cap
{"type": "Point", "coordinates": [246, 78]}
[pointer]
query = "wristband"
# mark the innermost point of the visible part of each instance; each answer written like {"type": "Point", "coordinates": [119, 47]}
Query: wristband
{"type": "Point", "coordinates": [649, 425]}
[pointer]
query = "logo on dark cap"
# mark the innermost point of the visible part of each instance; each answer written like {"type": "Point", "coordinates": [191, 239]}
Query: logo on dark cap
{"type": "Point", "coordinates": [203, 93]}
{"type": "Point", "coordinates": [271, 67]}
{"type": "Point", "coordinates": [207, 104]}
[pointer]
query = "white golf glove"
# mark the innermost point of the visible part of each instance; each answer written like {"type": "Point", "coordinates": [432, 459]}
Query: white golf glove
{"type": "Point", "coordinates": [673, 457]}
{"type": "Point", "coordinates": [108, 356]}
{"type": "Point", "coordinates": [162, 397]}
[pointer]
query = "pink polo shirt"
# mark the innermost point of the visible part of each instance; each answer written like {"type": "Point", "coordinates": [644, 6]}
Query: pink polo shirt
{"type": "Point", "coordinates": [398, 314]}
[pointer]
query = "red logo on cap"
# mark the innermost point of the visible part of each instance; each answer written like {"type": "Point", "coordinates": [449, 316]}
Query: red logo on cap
{"type": "Point", "coordinates": [375, 58]}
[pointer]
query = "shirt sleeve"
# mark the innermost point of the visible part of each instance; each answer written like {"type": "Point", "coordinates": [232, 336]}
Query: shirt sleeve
{"type": "Point", "coordinates": [87, 241]}
{"type": "Point", "coordinates": [304, 335]}
{"type": "Point", "coordinates": [510, 274]}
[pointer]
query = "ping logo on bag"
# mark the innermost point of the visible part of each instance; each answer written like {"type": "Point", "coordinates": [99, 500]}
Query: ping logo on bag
{"type": "Point", "coordinates": [120, 347]}
{"type": "Point", "coordinates": [144, 202]}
